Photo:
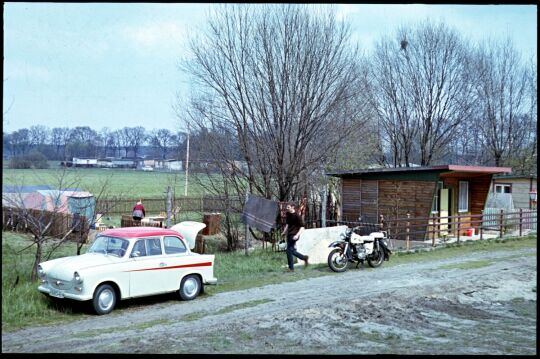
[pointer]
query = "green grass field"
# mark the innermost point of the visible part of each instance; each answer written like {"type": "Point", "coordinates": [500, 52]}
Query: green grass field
{"type": "Point", "coordinates": [127, 183]}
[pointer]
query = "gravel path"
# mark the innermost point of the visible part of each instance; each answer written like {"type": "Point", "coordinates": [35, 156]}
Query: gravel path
{"type": "Point", "coordinates": [419, 308]}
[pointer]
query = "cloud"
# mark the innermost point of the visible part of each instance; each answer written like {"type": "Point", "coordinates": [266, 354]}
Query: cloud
{"type": "Point", "coordinates": [154, 35]}
{"type": "Point", "coordinates": [25, 71]}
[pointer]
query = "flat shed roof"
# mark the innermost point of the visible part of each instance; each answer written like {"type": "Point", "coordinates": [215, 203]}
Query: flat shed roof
{"type": "Point", "coordinates": [412, 170]}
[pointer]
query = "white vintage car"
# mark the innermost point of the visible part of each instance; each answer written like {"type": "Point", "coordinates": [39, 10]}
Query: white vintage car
{"type": "Point", "coordinates": [131, 262]}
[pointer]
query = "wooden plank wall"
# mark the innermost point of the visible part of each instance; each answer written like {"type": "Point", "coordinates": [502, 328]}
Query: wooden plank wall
{"type": "Point", "coordinates": [369, 209]}
{"type": "Point", "coordinates": [397, 198]}
{"type": "Point", "coordinates": [351, 197]}
{"type": "Point", "coordinates": [393, 199]}
{"type": "Point", "coordinates": [478, 191]}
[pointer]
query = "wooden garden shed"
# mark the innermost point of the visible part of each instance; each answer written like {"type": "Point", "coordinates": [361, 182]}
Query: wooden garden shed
{"type": "Point", "coordinates": [422, 192]}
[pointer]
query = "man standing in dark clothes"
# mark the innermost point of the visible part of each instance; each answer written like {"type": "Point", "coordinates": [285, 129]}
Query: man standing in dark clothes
{"type": "Point", "coordinates": [293, 227]}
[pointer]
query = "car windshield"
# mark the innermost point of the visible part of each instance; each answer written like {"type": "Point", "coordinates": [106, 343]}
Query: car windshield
{"type": "Point", "coordinates": [109, 245]}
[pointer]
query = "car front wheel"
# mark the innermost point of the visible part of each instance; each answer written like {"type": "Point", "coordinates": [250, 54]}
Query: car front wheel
{"type": "Point", "coordinates": [190, 287]}
{"type": "Point", "coordinates": [104, 299]}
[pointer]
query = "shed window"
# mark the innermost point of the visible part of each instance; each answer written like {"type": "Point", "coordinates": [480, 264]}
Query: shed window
{"type": "Point", "coordinates": [463, 205]}
{"type": "Point", "coordinates": [503, 188]}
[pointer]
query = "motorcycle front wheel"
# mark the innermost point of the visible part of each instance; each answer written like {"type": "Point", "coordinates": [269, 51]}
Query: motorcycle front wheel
{"type": "Point", "coordinates": [337, 260]}
{"type": "Point", "coordinates": [376, 258]}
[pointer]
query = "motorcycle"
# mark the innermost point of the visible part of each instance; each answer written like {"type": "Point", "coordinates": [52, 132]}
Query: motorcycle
{"type": "Point", "coordinates": [355, 247]}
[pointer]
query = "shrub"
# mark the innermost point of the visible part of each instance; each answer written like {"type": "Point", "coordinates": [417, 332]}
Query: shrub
{"type": "Point", "coordinates": [33, 159]}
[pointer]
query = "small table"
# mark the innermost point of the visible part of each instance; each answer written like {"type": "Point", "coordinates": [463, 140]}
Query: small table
{"type": "Point", "coordinates": [158, 219]}
{"type": "Point", "coordinates": [100, 227]}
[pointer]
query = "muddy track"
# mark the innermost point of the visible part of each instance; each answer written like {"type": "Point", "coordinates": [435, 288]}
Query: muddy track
{"type": "Point", "coordinates": [420, 308]}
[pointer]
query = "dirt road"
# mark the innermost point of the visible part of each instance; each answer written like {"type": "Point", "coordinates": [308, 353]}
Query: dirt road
{"type": "Point", "coordinates": [431, 307]}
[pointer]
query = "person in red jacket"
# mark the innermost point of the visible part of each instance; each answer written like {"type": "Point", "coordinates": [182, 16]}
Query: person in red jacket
{"type": "Point", "coordinates": [138, 211]}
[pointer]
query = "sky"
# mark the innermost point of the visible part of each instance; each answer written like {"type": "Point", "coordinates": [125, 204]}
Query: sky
{"type": "Point", "coordinates": [115, 65]}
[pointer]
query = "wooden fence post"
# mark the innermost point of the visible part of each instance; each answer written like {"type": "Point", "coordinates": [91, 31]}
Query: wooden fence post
{"type": "Point", "coordinates": [407, 230]}
{"type": "Point", "coordinates": [482, 226]}
{"type": "Point", "coordinates": [433, 226]}
{"type": "Point", "coordinates": [501, 227]}
{"type": "Point", "coordinates": [458, 226]}
{"type": "Point", "coordinates": [520, 221]}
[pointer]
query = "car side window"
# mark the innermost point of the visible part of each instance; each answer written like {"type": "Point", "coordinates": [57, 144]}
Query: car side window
{"type": "Point", "coordinates": [174, 245]}
{"type": "Point", "coordinates": [153, 246]}
{"type": "Point", "coordinates": [139, 249]}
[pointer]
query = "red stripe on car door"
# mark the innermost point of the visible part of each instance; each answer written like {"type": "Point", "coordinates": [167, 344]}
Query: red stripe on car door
{"type": "Point", "coordinates": [204, 264]}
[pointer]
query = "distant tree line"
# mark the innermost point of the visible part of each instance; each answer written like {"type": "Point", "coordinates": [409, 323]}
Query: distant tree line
{"type": "Point", "coordinates": [40, 143]}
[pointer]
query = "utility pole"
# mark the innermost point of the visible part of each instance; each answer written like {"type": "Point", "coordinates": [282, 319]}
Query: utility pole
{"type": "Point", "coordinates": [187, 165]}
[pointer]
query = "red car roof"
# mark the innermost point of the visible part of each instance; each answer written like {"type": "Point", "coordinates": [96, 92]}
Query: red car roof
{"type": "Point", "coordinates": [135, 232]}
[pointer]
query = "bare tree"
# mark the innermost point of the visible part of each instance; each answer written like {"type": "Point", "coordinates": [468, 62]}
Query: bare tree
{"type": "Point", "coordinates": [39, 136]}
{"type": "Point", "coordinates": [281, 84]}
{"type": "Point", "coordinates": [132, 138]}
{"type": "Point", "coordinates": [421, 90]}
{"type": "Point", "coordinates": [59, 139]}
{"type": "Point", "coordinates": [19, 141]}
{"type": "Point", "coordinates": [502, 87]}
{"type": "Point", "coordinates": [163, 139]}
{"type": "Point", "coordinates": [82, 141]}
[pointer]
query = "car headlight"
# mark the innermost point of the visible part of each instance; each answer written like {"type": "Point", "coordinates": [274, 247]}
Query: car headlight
{"type": "Point", "coordinates": [77, 277]}
{"type": "Point", "coordinates": [40, 271]}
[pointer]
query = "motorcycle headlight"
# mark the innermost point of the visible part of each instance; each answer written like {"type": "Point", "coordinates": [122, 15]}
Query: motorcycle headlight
{"type": "Point", "coordinates": [77, 277]}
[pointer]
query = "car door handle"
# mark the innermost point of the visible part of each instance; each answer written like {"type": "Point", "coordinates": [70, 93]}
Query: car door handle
{"type": "Point", "coordinates": [162, 264]}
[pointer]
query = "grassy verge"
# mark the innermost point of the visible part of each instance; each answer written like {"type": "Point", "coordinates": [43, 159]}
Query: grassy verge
{"type": "Point", "coordinates": [24, 306]}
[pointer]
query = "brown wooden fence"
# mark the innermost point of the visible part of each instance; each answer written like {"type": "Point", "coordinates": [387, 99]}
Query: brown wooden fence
{"type": "Point", "coordinates": [34, 221]}
{"type": "Point", "coordinates": [157, 205]}
{"type": "Point", "coordinates": [519, 222]}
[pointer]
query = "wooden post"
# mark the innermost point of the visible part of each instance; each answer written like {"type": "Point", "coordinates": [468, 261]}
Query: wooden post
{"type": "Point", "coordinates": [246, 239]}
{"type": "Point", "coordinates": [482, 226]}
{"type": "Point", "coordinates": [501, 227]}
{"type": "Point", "coordinates": [433, 226]}
{"type": "Point", "coordinates": [458, 226]}
{"type": "Point", "coordinates": [168, 206]}
{"type": "Point", "coordinates": [407, 230]}
{"type": "Point", "coordinates": [520, 221]}
{"type": "Point", "coordinates": [324, 194]}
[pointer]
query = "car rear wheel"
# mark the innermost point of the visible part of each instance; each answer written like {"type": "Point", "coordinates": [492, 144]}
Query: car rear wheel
{"type": "Point", "coordinates": [190, 287]}
{"type": "Point", "coordinates": [104, 299]}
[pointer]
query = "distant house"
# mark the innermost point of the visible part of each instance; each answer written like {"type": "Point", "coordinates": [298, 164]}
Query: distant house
{"type": "Point", "coordinates": [84, 162]}
{"type": "Point", "coordinates": [147, 162]}
{"type": "Point", "coordinates": [169, 165]}
{"type": "Point", "coordinates": [105, 162]}
{"type": "Point", "coordinates": [517, 187]}
{"type": "Point", "coordinates": [124, 162]}
{"type": "Point", "coordinates": [441, 191]}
